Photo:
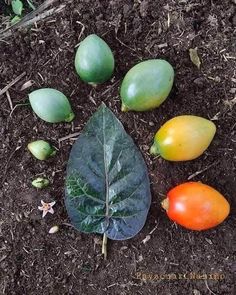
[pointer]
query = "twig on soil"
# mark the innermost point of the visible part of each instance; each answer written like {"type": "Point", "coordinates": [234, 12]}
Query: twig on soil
{"type": "Point", "coordinates": [110, 87]}
{"type": "Point", "coordinates": [3, 258]}
{"type": "Point", "coordinates": [68, 224]}
{"type": "Point", "coordinates": [81, 32]}
{"type": "Point", "coordinates": [91, 98]}
{"type": "Point", "coordinates": [112, 285]}
{"type": "Point", "coordinates": [104, 246]}
{"type": "Point", "coordinates": [209, 288]}
{"type": "Point", "coordinates": [18, 105]}
{"type": "Point", "coordinates": [9, 100]}
{"type": "Point", "coordinates": [216, 117]}
{"type": "Point", "coordinates": [43, 15]}
{"type": "Point", "coordinates": [168, 20]}
{"type": "Point", "coordinates": [13, 82]}
{"type": "Point", "coordinates": [201, 171]}
{"type": "Point", "coordinates": [8, 31]}
{"type": "Point", "coordinates": [125, 45]}
{"type": "Point", "coordinates": [148, 237]}
{"type": "Point", "coordinates": [68, 136]}
{"type": "Point", "coordinates": [33, 17]}
{"type": "Point", "coordinates": [7, 164]}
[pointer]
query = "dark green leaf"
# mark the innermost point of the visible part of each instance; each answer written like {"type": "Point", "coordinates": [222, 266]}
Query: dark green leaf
{"type": "Point", "coordinates": [17, 6]}
{"type": "Point", "coordinates": [107, 185]}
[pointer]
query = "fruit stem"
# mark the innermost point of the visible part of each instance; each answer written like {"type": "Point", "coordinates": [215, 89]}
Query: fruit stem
{"type": "Point", "coordinates": [165, 204]}
{"type": "Point", "coordinates": [70, 117]}
{"type": "Point", "coordinates": [53, 152]}
{"type": "Point", "coordinates": [104, 246]}
{"type": "Point", "coordinates": [124, 108]}
{"type": "Point", "coordinates": [154, 150]}
{"type": "Point", "coordinates": [93, 84]}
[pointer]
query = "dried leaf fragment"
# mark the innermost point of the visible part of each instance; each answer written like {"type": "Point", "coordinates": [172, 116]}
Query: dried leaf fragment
{"type": "Point", "coordinates": [194, 57]}
{"type": "Point", "coordinates": [26, 85]}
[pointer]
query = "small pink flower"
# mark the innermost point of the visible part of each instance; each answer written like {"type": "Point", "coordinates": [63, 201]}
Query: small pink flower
{"type": "Point", "coordinates": [46, 207]}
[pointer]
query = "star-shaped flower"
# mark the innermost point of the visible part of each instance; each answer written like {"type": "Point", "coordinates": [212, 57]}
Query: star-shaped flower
{"type": "Point", "coordinates": [46, 207]}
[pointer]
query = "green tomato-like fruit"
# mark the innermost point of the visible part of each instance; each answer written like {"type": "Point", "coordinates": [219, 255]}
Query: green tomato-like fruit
{"type": "Point", "coordinates": [94, 60]}
{"type": "Point", "coordinates": [41, 149]}
{"type": "Point", "coordinates": [146, 85]}
{"type": "Point", "coordinates": [51, 105]}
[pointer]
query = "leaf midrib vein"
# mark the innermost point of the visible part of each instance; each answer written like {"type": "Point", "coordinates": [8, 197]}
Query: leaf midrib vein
{"type": "Point", "coordinates": [111, 216]}
{"type": "Point", "coordinates": [105, 167]}
{"type": "Point", "coordinates": [137, 187]}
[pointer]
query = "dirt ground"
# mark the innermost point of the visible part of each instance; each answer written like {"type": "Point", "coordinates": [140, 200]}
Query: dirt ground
{"type": "Point", "coordinates": [174, 261]}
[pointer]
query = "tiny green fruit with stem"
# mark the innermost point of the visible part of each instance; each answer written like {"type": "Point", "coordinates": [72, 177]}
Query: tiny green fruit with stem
{"type": "Point", "coordinates": [41, 149]}
{"type": "Point", "coordinates": [40, 182]}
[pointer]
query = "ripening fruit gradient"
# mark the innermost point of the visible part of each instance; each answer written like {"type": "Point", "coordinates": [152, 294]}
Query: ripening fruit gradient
{"type": "Point", "coordinates": [196, 206]}
{"type": "Point", "coordinates": [183, 138]}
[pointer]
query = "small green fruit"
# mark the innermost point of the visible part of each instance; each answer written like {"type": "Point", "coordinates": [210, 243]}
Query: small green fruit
{"type": "Point", "coordinates": [94, 60]}
{"type": "Point", "coordinates": [146, 85]}
{"type": "Point", "coordinates": [40, 182]}
{"type": "Point", "coordinates": [41, 149]}
{"type": "Point", "coordinates": [51, 105]}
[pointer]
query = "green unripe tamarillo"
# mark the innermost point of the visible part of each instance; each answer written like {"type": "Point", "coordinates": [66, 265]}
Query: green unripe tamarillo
{"type": "Point", "coordinates": [146, 85]}
{"type": "Point", "coordinates": [41, 149]}
{"type": "Point", "coordinates": [94, 60]}
{"type": "Point", "coordinates": [51, 105]}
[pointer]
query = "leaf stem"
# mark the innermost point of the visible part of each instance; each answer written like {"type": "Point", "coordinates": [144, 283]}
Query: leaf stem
{"type": "Point", "coordinates": [104, 246]}
{"type": "Point", "coordinates": [165, 204]}
{"type": "Point", "coordinates": [124, 108]}
{"type": "Point", "coordinates": [70, 117]}
{"type": "Point", "coordinates": [154, 150]}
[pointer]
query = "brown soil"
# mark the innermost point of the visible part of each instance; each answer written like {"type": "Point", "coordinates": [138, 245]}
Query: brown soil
{"type": "Point", "coordinates": [69, 262]}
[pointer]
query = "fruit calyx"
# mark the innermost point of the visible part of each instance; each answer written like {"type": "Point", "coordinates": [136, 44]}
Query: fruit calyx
{"type": "Point", "coordinates": [165, 204]}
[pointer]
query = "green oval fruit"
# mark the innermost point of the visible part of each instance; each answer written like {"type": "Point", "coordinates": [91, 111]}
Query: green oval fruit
{"type": "Point", "coordinates": [94, 60]}
{"type": "Point", "coordinates": [146, 85]}
{"type": "Point", "coordinates": [41, 149]}
{"type": "Point", "coordinates": [40, 182]}
{"type": "Point", "coordinates": [51, 105]}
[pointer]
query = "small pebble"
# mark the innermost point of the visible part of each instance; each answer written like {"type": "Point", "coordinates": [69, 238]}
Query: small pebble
{"type": "Point", "coordinates": [54, 229]}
